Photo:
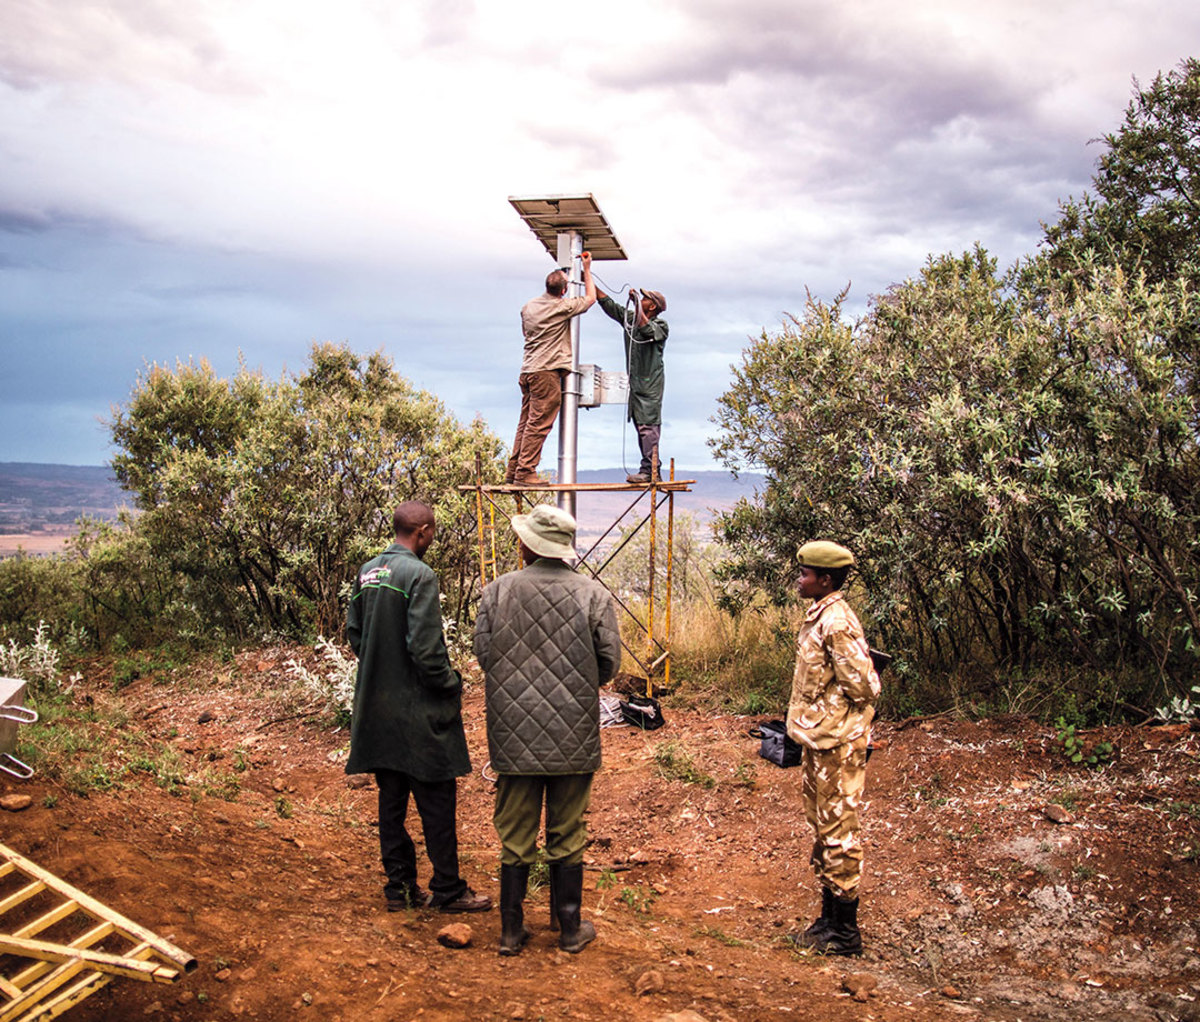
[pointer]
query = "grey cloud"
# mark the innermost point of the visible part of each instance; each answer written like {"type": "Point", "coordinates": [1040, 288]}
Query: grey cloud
{"type": "Point", "coordinates": [23, 221]}
{"type": "Point", "coordinates": [448, 22]}
{"type": "Point", "coordinates": [50, 220]}
{"type": "Point", "coordinates": [589, 148]}
{"type": "Point", "coordinates": [114, 40]}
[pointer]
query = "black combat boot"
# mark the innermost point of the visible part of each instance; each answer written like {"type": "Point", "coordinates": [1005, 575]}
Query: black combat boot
{"type": "Point", "coordinates": [566, 886]}
{"type": "Point", "coordinates": [513, 933]}
{"type": "Point", "coordinates": [843, 937]}
{"type": "Point", "coordinates": [820, 927]}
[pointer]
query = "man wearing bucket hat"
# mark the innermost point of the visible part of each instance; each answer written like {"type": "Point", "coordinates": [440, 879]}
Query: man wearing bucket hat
{"type": "Point", "coordinates": [645, 339]}
{"type": "Point", "coordinates": [546, 639]}
{"type": "Point", "coordinates": [834, 690]}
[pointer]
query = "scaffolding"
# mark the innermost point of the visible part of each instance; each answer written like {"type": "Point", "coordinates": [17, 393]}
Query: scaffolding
{"type": "Point", "coordinates": [493, 501]}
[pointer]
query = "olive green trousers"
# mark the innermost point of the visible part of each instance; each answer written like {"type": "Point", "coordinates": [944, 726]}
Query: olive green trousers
{"type": "Point", "coordinates": [518, 813]}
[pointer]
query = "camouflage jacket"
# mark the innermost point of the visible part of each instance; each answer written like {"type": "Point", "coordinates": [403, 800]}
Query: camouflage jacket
{"type": "Point", "coordinates": [834, 685]}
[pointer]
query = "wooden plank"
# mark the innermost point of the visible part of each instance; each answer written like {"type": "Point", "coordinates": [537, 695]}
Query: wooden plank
{"type": "Point", "coordinates": [64, 1000]}
{"type": "Point", "coordinates": [93, 936]}
{"type": "Point", "coordinates": [31, 996]}
{"type": "Point", "coordinates": [99, 910]}
{"type": "Point", "coordinates": [101, 961]}
{"type": "Point", "coordinates": [21, 896]}
{"type": "Point", "coordinates": [55, 915]}
{"type": "Point", "coordinates": [8, 989]}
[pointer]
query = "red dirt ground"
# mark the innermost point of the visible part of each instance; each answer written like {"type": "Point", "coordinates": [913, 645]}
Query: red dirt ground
{"type": "Point", "coordinates": [975, 904]}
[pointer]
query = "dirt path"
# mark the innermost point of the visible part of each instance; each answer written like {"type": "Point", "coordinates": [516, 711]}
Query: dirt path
{"type": "Point", "coordinates": [975, 904]}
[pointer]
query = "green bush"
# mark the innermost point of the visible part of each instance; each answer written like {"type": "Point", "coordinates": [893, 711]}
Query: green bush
{"type": "Point", "coordinates": [1013, 458]}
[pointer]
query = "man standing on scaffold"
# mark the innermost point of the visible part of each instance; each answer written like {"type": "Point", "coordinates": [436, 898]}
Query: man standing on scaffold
{"type": "Point", "coordinates": [546, 324]}
{"type": "Point", "coordinates": [645, 338]}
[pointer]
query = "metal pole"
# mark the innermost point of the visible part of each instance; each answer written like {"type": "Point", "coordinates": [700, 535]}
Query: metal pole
{"type": "Point", "coordinates": [670, 573]}
{"type": "Point", "coordinates": [653, 567]}
{"type": "Point", "coordinates": [570, 252]}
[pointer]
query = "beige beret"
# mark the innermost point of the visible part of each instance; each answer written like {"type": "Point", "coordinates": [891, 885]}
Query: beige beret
{"type": "Point", "coordinates": [821, 553]}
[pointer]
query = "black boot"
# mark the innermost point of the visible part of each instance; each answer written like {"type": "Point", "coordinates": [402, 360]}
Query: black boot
{"type": "Point", "coordinates": [566, 886]}
{"type": "Point", "coordinates": [513, 933]}
{"type": "Point", "coordinates": [843, 937]}
{"type": "Point", "coordinates": [553, 911]}
{"type": "Point", "coordinates": [820, 927]}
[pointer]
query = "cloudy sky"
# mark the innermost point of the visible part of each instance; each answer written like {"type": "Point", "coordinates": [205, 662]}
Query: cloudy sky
{"type": "Point", "coordinates": [219, 178]}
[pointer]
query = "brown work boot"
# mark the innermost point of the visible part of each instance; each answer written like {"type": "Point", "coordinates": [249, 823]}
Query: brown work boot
{"type": "Point", "coordinates": [468, 901]}
{"type": "Point", "coordinates": [531, 479]}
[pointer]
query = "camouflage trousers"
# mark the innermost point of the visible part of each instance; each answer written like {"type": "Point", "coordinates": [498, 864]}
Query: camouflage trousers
{"type": "Point", "coordinates": [832, 782]}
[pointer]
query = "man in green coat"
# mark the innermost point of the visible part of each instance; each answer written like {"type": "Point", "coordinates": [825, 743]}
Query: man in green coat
{"type": "Point", "coordinates": [406, 726]}
{"type": "Point", "coordinates": [645, 338]}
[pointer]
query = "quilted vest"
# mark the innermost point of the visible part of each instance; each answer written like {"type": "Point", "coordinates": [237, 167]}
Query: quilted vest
{"type": "Point", "coordinates": [547, 640]}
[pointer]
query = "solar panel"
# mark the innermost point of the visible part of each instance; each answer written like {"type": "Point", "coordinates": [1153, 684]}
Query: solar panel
{"type": "Point", "coordinates": [548, 216]}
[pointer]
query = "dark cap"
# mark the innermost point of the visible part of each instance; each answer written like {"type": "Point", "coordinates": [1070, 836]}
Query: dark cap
{"type": "Point", "coordinates": [658, 299]}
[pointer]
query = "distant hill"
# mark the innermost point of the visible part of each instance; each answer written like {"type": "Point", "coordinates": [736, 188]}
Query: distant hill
{"type": "Point", "coordinates": [36, 497]}
{"type": "Point", "coordinates": [711, 492]}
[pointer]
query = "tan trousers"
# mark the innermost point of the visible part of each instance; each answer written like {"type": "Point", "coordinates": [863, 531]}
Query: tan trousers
{"type": "Point", "coordinates": [832, 784]}
{"type": "Point", "coordinates": [541, 398]}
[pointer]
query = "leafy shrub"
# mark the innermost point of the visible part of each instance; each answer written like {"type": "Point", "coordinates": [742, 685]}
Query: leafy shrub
{"type": "Point", "coordinates": [334, 687]}
{"type": "Point", "coordinates": [261, 498]}
{"type": "Point", "coordinates": [1078, 751]}
{"type": "Point", "coordinates": [35, 662]}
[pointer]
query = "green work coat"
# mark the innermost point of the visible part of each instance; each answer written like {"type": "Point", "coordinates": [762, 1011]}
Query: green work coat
{"type": "Point", "coordinates": [407, 712]}
{"type": "Point", "coordinates": [644, 363]}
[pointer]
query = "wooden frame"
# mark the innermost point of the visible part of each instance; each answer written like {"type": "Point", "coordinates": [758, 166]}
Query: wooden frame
{"type": "Point", "coordinates": [41, 979]}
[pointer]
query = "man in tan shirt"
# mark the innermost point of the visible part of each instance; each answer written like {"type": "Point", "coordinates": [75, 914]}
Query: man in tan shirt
{"type": "Point", "coordinates": [546, 323]}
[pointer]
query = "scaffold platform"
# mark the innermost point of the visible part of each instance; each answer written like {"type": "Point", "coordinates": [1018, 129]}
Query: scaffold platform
{"type": "Point", "coordinates": [494, 500]}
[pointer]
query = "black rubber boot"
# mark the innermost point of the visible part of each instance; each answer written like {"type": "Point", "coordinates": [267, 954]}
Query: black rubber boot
{"type": "Point", "coordinates": [513, 934]}
{"type": "Point", "coordinates": [566, 886]}
{"type": "Point", "coordinates": [553, 911]}
{"type": "Point", "coordinates": [820, 927]}
{"type": "Point", "coordinates": [843, 937]}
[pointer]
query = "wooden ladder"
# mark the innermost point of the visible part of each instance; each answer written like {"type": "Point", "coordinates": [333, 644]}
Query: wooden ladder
{"type": "Point", "coordinates": [41, 978]}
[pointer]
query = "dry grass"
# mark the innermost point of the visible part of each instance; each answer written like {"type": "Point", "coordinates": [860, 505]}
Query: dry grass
{"type": "Point", "coordinates": [740, 664]}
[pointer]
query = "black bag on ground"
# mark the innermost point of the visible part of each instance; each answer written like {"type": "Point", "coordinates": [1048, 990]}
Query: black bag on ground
{"type": "Point", "coordinates": [643, 712]}
{"type": "Point", "coordinates": [775, 745]}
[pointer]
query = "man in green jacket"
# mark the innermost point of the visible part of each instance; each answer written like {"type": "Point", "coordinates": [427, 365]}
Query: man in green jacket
{"type": "Point", "coordinates": [407, 725]}
{"type": "Point", "coordinates": [645, 338]}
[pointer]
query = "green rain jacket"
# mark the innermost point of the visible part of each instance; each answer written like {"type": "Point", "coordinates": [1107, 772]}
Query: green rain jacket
{"type": "Point", "coordinates": [644, 363]}
{"type": "Point", "coordinates": [408, 699]}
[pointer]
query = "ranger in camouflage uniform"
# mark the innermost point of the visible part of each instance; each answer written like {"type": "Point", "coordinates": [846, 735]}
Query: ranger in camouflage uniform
{"type": "Point", "coordinates": [834, 689]}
